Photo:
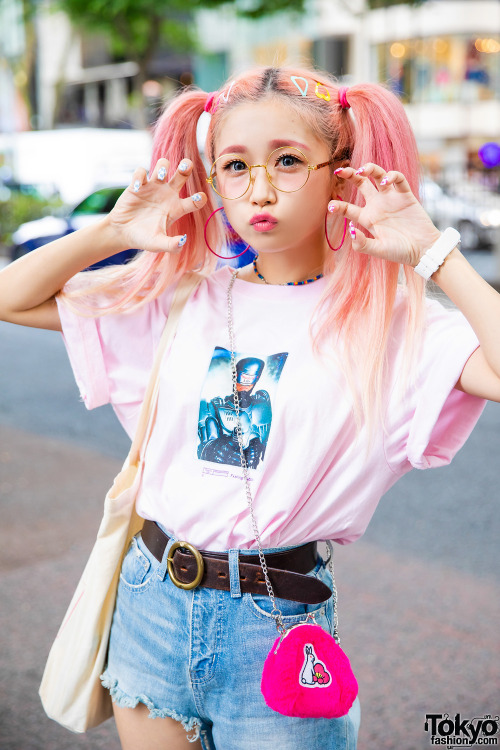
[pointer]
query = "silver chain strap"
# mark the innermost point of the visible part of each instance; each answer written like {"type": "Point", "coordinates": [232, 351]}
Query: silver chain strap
{"type": "Point", "coordinates": [334, 592]}
{"type": "Point", "coordinates": [275, 612]}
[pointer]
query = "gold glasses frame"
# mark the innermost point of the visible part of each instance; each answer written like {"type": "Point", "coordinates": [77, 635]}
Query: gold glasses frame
{"type": "Point", "coordinates": [310, 168]}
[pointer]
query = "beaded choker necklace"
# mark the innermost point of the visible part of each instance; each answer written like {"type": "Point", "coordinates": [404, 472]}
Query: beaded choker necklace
{"type": "Point", "coordinates": [287, 283]}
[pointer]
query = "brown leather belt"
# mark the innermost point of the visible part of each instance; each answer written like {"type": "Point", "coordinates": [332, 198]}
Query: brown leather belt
{"type": "Point", "coordinates": [286, 569]}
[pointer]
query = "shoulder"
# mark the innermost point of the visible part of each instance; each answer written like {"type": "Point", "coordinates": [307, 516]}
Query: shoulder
{"type": "Point", "coordinates": [431, 333]}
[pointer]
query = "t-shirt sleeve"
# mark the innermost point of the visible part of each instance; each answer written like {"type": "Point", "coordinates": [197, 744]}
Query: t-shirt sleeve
{"type": "Point", "coordinates": [432, 421]}
{"type": "Point", "coordinates": [112, 355]}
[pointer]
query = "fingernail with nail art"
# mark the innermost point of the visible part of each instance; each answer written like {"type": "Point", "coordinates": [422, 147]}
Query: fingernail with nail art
{"type": "Point", "coordinates": [162, 173]}
{"type": "Point", "coordinates": [360, 170]}
{"type": "Point", "coordinates": [352, 230]}
{"type": "Point", "coordinates": [183, 166]}
{"type": "Point", "coordinates": [384, 181]}
{"type": "Point", "coordinates": [196, 198]}
{"type": "Point", "coordinates": [182, 240]}
{"type": "Point", "coordinates": [331, 207]}
{"type": "Point", "coordinates": [137, 186]}
{"type": "Point", "coordinates": [336, 171]}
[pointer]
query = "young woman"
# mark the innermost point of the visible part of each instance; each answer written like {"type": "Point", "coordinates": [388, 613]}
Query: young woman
{"type": "Point", "coordinates": [341, 375]}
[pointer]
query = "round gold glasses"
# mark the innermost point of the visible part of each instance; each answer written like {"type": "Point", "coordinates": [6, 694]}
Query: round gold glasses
{"type": "Point", "coordinates": [286, 167]}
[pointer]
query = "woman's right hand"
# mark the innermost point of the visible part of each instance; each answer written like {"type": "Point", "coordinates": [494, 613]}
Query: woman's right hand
{"type": "Point", "coordinates": [140, 219]}
{"type": "Point", "coordinates": [148, 207]}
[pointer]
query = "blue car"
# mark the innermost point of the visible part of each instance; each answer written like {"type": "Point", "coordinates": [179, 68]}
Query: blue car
{"type": "Point", "coordinates": [36, 233]}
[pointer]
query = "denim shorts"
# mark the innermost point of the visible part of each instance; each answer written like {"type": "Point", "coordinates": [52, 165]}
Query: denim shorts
{"type": "Point", "coordinates": [197, 657]}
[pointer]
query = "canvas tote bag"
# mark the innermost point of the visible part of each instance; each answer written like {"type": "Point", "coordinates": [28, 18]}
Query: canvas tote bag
{"type": "Point", "coordinates": [71, 689]}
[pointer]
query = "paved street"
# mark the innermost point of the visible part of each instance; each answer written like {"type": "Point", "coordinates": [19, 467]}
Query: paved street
{"type": "Point", "coordinates": [419, 595]}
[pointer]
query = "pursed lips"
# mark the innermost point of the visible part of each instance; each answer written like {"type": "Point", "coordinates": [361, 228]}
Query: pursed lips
{"type": "Point", "coordinates": [263, 222]}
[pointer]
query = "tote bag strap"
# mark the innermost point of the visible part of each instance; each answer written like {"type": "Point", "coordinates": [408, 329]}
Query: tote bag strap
{"type": "Point", "coordinates": [185, 287]}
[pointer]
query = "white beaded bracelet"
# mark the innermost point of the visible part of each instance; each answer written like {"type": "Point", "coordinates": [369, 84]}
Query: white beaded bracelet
{"type": "Point", "coordinates": [436, 254]}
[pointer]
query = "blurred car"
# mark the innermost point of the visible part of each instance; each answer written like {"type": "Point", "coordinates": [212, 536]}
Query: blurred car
{"type": "Point", "coordinates": [36, 233]}
{"type": "Point", "coordinates": [488, 201]}
{"type": "Point", "coordinates": [476, 216]}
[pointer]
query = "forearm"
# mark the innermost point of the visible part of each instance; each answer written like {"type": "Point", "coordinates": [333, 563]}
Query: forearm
{"type": "Point", "coordinates": [38, 276]}
{"type": "Point", "coordinates": [476, 299]}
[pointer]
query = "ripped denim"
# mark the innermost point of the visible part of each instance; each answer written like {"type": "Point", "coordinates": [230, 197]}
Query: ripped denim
{"type": "Point", "coordinates": [197, 656]}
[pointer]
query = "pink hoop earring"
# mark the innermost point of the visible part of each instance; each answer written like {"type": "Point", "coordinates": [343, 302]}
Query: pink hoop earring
{"type": "Point", "coordinates": [224, 257]}
{"type": "Point", "coordinates": [326, 231]}
{"type": "Point", "coordinates": [343, 236]}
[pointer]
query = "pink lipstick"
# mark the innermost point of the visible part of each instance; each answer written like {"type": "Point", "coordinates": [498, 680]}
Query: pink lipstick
{"type": "Point", "coordinates": [263, 222]}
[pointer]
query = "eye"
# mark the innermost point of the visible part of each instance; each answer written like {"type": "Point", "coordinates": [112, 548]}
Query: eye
{"type": "Point", "coordinates": [288, 161]}
{"type": "Point", "coordinates": [235, 166]}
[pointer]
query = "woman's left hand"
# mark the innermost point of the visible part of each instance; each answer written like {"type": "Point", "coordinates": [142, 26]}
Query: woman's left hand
{"type": "Point", "coordinates": [402, 231]}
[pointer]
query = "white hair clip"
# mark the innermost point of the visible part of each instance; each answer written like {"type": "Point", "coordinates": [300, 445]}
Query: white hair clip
{"type": "Point", "coordinates": [294, 80]}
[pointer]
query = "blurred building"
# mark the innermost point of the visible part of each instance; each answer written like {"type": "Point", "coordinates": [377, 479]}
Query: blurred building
{"type": "Point", "coordinates": [441, 57]}
{"type": "Point", "coordinates": [74, 77]}
{"type": "Point", "coordinates": [78, 81]}
{"type": "Point", "coordinates": [13, 110]}
{"type": "Point", "coordinates": [81, 81]}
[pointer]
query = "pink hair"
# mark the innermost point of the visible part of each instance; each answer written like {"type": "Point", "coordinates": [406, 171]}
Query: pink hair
{"type": "Point", "coordinates": [358, 304]}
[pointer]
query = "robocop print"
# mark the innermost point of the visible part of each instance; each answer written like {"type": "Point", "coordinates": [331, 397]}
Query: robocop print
{"type": "Point", "coordinates": [256, 382]}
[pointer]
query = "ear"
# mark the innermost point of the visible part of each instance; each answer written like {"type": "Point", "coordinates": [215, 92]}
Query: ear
{"type": "Point", "coordinates": [338, 183]}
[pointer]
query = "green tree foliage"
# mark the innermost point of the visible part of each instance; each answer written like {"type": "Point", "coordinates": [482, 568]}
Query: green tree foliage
{"type": "Point", "coordinates": [135, 29]}
{"type": "Point", "coordinates": [372, 4]}
{"type": "Point", "coordinates": [253, 8]}
{"type": "Point", "coordinates": [23, 207]}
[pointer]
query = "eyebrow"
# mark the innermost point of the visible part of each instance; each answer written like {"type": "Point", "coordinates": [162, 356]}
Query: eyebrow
{"type": "Point", "coordinates": [287, 142]}
{"type": "Point", "coordinates": [276, 143]}
{"type": "Point", "coordinates": [233, 150]}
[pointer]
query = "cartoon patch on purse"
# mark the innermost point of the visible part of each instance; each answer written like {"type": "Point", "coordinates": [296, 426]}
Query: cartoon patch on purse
{"type": "Point", "coordinates": [313, 673]}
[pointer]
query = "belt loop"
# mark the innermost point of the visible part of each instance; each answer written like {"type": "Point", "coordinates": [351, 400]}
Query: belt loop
{"type": "Point", "coordinates": [162, 570]}
{"type": "Point", "coordinates": [234, 573]}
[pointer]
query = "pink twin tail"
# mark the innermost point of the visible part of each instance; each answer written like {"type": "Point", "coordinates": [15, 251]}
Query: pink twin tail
{"type": "Point", "coordinates": [224, 257]}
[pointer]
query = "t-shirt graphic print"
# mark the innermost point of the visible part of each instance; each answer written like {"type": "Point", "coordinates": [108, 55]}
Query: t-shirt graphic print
{"type": "Point", "coordinates": [256, 382]}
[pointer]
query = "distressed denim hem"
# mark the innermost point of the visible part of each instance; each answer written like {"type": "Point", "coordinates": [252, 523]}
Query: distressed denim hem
{"type": "Point", "coordinates": [123, 700]}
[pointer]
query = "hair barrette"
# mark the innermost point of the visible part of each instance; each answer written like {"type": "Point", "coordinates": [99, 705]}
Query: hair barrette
{"type": "Point", "coordinates": [225, 95]}
{"type": "Point", "coordinates": [325, 96]}
{"type": "Point", "coordinates": [295, 79]}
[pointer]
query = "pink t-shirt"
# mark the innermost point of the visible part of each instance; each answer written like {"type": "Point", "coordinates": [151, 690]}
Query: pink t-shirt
{"type": "Point", "coordinates": [311, 477]}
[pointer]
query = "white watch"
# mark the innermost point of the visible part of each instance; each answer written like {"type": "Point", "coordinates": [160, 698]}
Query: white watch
{"type": "Point", "coordinates": [436, 254]}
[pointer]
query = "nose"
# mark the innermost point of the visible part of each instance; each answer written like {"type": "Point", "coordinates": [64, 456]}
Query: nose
{"type": "Point", "coordinates": [261, 191]}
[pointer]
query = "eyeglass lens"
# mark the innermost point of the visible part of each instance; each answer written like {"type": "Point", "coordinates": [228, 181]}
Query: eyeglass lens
{"type": "Point", "coordinates": [287, 168]}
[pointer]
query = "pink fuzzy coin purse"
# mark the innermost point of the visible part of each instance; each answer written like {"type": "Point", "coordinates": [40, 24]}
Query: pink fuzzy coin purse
{"type": "Point", "coordinates": [307, 674]}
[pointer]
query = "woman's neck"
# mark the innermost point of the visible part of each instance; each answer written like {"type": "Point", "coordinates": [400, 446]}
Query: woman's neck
{"type": "Point", "coordinates": [277, 269]}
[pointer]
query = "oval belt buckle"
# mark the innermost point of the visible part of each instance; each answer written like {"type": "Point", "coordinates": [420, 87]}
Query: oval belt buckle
{"type": "Point", "coordinates": [199, 562]}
